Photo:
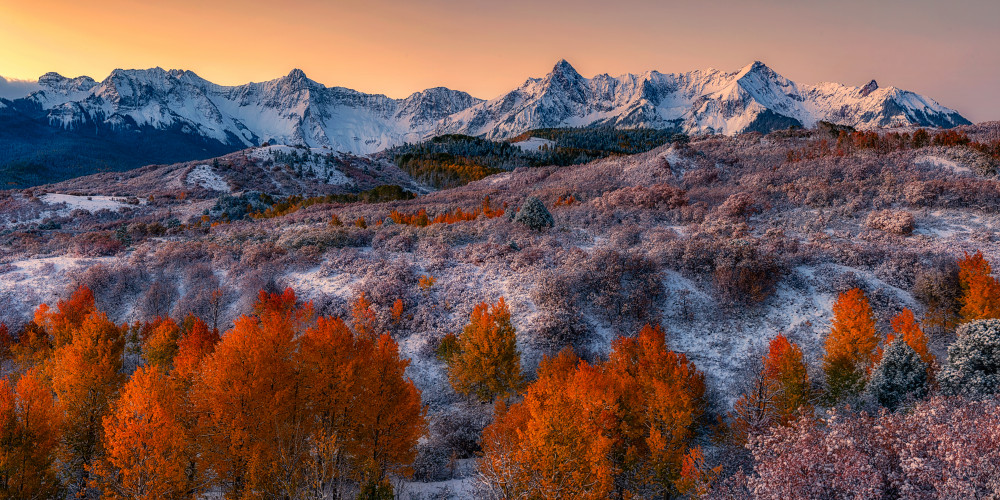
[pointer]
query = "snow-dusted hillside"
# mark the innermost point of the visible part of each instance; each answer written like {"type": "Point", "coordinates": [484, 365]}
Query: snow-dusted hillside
{"type": "Point", "coordinates": [296, 110]}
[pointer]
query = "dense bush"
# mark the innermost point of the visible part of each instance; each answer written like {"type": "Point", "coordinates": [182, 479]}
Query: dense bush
{"type": "Point", "coordinates": [973, 368]}
{"type": "Point", "coordinates": [891, 221]}
{"type": "Point", "coordinates": [534, 214]}
{"type": "Point", "coordinates": [900, 377]}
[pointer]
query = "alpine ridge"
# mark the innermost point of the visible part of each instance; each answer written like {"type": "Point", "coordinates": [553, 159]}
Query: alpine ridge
{"type": "Point", "coordinates": [180, 112]}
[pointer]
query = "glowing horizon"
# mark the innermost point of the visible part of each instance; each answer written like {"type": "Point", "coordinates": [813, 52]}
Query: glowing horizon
{"type": "Point", "coordinates": [397, 48]}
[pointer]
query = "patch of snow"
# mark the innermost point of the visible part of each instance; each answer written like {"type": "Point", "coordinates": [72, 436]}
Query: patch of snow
{"type": "Point", "coordinates": [88, 203]}
{"type": "Point", "coordinates": [534, 144]}
{"type": "Point", "coordinates": [942, 163]}
{"type": "Point", "coordinates": [24, 284]}
{"type": "Point", "coordinates": [204, 176]}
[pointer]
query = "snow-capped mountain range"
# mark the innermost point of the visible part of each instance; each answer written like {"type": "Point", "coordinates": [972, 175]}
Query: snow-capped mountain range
{"type": "Point", "coordinates": [296, 110]}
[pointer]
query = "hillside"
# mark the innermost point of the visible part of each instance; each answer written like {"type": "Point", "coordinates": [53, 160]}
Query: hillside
{"type": "Point", "coordinates": [725, 241]}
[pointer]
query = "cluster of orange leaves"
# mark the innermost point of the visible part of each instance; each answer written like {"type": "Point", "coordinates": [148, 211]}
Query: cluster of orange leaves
{"type": "Point", "coordinates": [618, 428]}
{"type": "Point", "coordinates": [778, 394]}
{"type": "Point", "coordinates": [286, 404]}
{"type": "Point", "coordinates": [565, 201]}
{"type": "Point", "coordinates": [980, 297]}
{"type": "Point", "coordinates": [421, 219]}
{"type": "Point", "coordinates": [485, 361]}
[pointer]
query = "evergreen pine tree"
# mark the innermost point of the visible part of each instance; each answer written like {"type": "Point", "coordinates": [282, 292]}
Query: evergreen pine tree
{"type": "Point", "coordinates": [901, 376]}
{"type": "Point", "coordinates": [973, 368]}
{"type": "Point", "coordinates": [534, 214]}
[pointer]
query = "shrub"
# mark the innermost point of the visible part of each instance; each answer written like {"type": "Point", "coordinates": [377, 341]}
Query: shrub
{"type": "Point", "coordinates": [534, 214]}
{"type": "Point", "coordinates": [891, 221]}
{"type": "Point", "coordinates": [746, 275]}
{"type": "Point", "coordinates": [901, 376]}
{"type": "Point", "coordinates": [973, 368]}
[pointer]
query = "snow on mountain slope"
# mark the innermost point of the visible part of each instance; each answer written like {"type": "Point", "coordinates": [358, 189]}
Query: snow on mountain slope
{"type": "Point", "coordinates": [709, 101]}
{"type": "Point", "coordinates": [296, 110]}
{"type": "Point", "coordinates": [289, 110]}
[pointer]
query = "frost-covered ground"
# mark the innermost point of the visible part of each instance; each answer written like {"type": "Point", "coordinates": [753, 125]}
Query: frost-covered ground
{"type": "Point", "coordinates": [204, 176]}
{"type": "Point", "coordinates": [36, 281]}
{"type": "Point", "coordinates": [650, 235]}
{"type": "Point", "coordinates": [66, 203]}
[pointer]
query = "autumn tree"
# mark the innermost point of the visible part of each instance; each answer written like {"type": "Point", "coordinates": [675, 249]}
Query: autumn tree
{"type": "Point", "coordinates": [86, 376]}
{"type": "Point", "coordinates": [147, 447]}
{"type": "Point", "coordinates": [248, 392]}
{"type": "Point", "coordinates": [33, 346]}
{"type": "Point", "coordinates": [784, 364]}
{"type": "Point", "coordinates": [160, 346]}
{"type": "Point", "coordinates": [776, 394]}
{"type": "Point", "coordinates": [364, 318]}
{"type": "Point", "coordinates": [68, 316]}
{"type": "Point", "coordinates": [30, 427]}
{"type": "Point", "coordinates": [330, 361]}
{"type": "Point", "coordinates": [365, 416]}
{"type": "Point", "coordinates": [904, 325]}
{"type": "Point", "coordinates": [851, 346]}
{"type": "Point", "coordinates": [487, 363]}
{"type": "Point", "coordinates": [389, 416]}
{"type": "Point", "coordinates": [195, 343]}
{"type": "Point", "coordinates": [614, 429]}
{"type": "Point", "coordinates": [980, 290]}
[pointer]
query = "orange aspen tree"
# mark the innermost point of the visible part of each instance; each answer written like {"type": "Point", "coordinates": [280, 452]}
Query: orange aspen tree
{"type": "Point", "coordinates": [192, 347]}
{"type": "Point", "coordinates": [86, 376]}
{"type": "Point", "coordinates": [160, 346]}
{"type": "Point", "coordinates": [30, 426]}
{"type": "Point", "coordinates": [330, 359]}
{"type": "Point", "coordinates": [905, 325]}
{"type": "Point", "coordinates": [980, 290]}
{"type": "Point", "coordinates": [851, 347]}
{"type": "Point", "coordinates": [487, 364]}
{"type": "Point", "coordinates": [776, 394]}
{"type": "Point", "coordinates": [146, 446]}
{"type": "Point", "coordinates": [364, 318]}
{"type": "Point", "coordinates": [249, 392]}
{"type": "Point", "coordinates": [68, 316]}
{"type": "Point", "coordinates": [668, 398]}
{"type": "Point", "coordinates": [785, 366]}
{"type": "Point", "coordinates": [390, 418]}
{"type": "Point", "coordinates": [616, 429]}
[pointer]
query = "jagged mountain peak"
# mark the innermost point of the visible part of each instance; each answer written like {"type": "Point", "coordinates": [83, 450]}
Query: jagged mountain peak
{"type": "Point", "coordinates": [296, 75]}
{"type": "Point", "coordinates": [869, 87]}
{"type": "Point", "coordinates": [563, 66]}
{"type": "Point", "coordinates": [754, 67]}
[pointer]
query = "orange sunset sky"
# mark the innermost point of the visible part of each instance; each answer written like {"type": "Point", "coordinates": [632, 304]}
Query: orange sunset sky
{"type": "Point", "coordinates": [946, 50]}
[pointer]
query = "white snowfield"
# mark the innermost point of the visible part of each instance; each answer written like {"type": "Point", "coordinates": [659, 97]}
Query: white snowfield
{"type": "Point", "coordinates": [534, 144]}
{"type": "Point", "coordinates": [88, 203]}
{"type": "Point", "coordinates": [204, 176]}
{"type": "Point", "coordinates": [296, 110]}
